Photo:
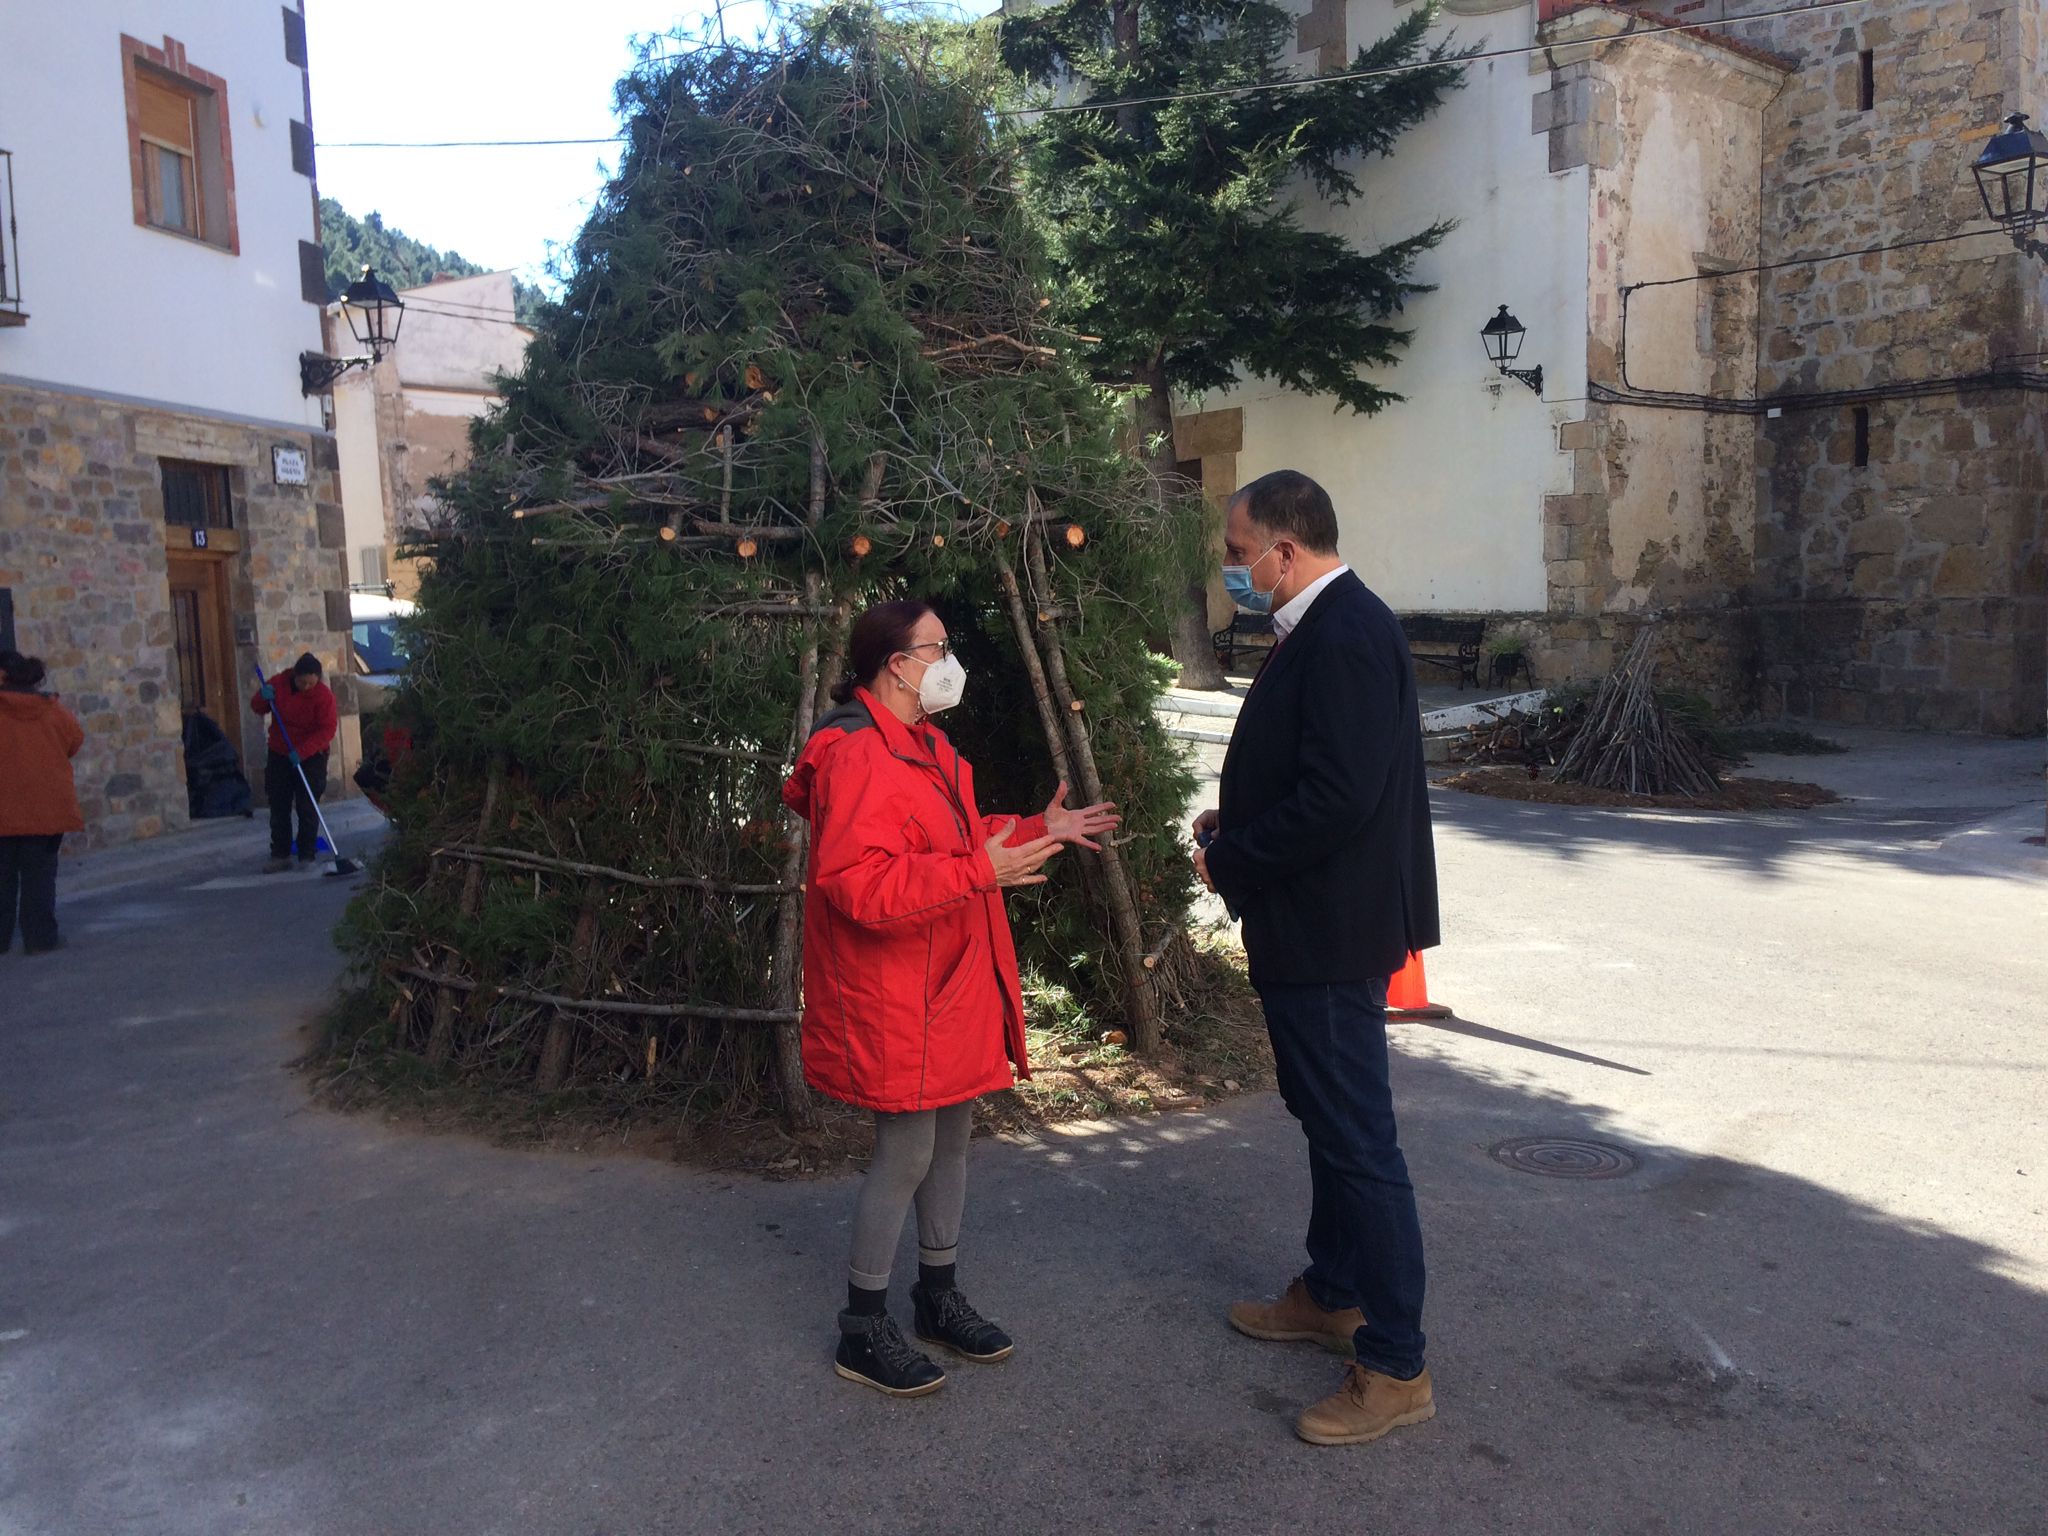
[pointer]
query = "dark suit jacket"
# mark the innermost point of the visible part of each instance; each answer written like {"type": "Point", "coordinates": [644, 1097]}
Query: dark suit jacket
{"type": "Point", "coordinates": [1324, 847]}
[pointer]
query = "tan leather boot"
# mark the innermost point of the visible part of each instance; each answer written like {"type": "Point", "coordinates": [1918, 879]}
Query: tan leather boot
{"type": "Point", "coordinates": [1366, 1407]}
{"type": "Point", "coordinates": [1295, 1316]}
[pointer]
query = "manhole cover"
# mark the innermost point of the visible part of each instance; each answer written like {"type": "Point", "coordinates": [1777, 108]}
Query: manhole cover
{"type": "Point", "coordinates": [1561, 1157]}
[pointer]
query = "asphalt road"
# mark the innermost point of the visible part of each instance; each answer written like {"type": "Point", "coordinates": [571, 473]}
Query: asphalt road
{"type": "Point", "coordinates": [1819, 1303]}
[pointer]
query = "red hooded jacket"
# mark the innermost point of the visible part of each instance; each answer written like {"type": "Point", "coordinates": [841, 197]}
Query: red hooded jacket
{"type": "Point", "coordinates": [310, 716]}
{"type": "Point", "coordinates": [911, 999]}
{"type": "Point", "coordinates": [38, 739]}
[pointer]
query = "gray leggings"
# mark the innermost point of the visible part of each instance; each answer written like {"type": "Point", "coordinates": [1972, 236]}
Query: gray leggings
{"type": "Point", "coordinates": [921, 1157]}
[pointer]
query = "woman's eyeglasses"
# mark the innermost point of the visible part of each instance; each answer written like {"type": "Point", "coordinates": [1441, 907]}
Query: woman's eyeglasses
{"type": "Point", "coordinates": [943, 647]}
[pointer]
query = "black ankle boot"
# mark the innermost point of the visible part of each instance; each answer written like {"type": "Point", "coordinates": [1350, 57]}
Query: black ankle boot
{"type": "Point", "coordinates": [947, 1319]}
{"type": "Point", "coordinates": [873, 1352]}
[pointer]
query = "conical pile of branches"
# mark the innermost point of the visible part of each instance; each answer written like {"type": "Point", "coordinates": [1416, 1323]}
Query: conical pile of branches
{"type": "Point", "coordinates": [1628, 741]}
{"type": "Point", "coordinates": [801, 363]}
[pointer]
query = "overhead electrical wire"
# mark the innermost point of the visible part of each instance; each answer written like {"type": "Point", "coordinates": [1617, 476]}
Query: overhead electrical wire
{"type": "Point", "coordinates": [1303, 82]}
{"type": "Point", "coordinates": [1671, 399]}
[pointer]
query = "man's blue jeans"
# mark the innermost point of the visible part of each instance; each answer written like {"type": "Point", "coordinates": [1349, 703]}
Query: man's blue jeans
{"type": "Point", "coordinates": [1364, 1238]}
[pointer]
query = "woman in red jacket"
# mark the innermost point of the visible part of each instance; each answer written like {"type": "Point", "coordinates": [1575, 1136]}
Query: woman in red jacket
{"type": "Point", "coordinates": [38, 739]}
{"type": "Point", "coordinates": [912, 1007]}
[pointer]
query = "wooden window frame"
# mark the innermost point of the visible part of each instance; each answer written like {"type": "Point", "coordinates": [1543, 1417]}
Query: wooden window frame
{"type": "Point", "coordinates": [213, 184]}
{"type": "Point", "coordinates": [219, 499]}
{"type": "Point", "coordinates": [187, 154]}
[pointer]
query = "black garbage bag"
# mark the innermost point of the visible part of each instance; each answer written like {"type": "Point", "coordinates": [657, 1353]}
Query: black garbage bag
{"type": "Point", "coordinates": [214, 783]}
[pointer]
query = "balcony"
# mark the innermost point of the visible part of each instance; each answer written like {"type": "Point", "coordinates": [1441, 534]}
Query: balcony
{"type": "Point", "coordinates": [11, 313]}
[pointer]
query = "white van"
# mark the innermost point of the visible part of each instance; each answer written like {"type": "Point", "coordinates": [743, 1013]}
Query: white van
{"type": "Point", "coordinates": [377, 650]}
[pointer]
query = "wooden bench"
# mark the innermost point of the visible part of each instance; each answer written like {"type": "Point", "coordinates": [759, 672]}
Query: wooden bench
{"type": "Point", "coordinates": [1463, 638]}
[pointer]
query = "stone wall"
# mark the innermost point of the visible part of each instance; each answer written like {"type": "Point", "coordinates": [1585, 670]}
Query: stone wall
{"type": "Point", "coordinates": [1659, 517]}
{"type": "Point", "coordinates": [1882, 557]}
{"type": "Point", "coordinates": [82, 546]}
{"type": "Point", "coordinates": [1905, 590]}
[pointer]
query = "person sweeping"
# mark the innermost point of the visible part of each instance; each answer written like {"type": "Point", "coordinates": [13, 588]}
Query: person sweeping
{"type": "Point", "coordinates": [302, 714]}
{"type": "Point", "coordinates": [912, 1006]}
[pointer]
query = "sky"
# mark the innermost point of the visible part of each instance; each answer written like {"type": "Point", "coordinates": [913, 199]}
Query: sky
{"type": "Point", "coordinates": [481, 69]}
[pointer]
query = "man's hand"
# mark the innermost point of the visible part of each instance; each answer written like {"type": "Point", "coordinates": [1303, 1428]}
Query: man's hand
{"type": "Point", "coordinates": [269, 694]}
{"type": "Point", "coordinates": [1019, 865]}
{"type": "Point", "coordinates": [1081, 826]}
{"type": "Point", "coordinates": [1207, 825]}
{"type": "Point", "coordinates": [1202, 869]}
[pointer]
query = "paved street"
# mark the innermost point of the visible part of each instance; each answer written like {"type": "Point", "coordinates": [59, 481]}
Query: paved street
{"type": "Point", "coordinates": [1819, 1304]}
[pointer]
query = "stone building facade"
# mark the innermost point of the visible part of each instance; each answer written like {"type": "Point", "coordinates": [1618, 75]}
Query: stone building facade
{"type": "Point", "coordinates": [1792, 404]}
{"type": "Point", "coordinates": [1866, 541]}
{"type": "Point", "coordinates": [404, 422]}
{"type": "Point", "coordinates": [170, 512]}
{"type": "Point", "coordinates": [88, 552]}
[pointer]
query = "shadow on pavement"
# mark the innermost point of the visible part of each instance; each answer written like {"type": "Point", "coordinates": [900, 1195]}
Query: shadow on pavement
{"type": "Point", "coordinates": [1760, 843]}
{"type": "Point", "coordinates": [1473, 1031]}
{"type": "Point", "coordinates": [223, 1311]}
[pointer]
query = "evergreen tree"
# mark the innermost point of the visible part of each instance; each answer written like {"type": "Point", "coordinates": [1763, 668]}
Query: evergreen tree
{"type": "Point", "coordinates": [1174, 217]}
{"type": "Point", "coordinates": [801, 363]}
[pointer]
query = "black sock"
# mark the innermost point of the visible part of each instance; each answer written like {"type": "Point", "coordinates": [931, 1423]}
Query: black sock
{"type": "Point", "coordinates": [862, 1302]}
{"type": "Point", "coordinates": [937, 1277]}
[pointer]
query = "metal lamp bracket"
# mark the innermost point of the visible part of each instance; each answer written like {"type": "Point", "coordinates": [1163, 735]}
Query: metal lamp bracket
{"type": "Point", "coordinates": [318, 371]}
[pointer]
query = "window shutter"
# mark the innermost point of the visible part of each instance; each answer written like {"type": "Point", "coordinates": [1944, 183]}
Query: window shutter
{"type": "Point", "coordinates": [294, 38]}
{"type": "Point", "coordinates": [302, 148]}
{"type": "Point", "coordinates": [312, 273]}
{"type": "Point", "coordinates": [166, 115]}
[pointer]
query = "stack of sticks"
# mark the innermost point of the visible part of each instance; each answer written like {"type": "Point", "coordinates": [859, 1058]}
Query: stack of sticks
{"type": "Point", "coordinates": [1628, 742]}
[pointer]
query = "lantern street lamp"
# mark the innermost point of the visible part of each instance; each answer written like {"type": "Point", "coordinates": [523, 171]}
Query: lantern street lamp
{"type": "Point", "coordinates": [374, 311]}
{"type": "Point", "coordinates": [1503, 337]}
{"type": "Point", "coordinates": [2012, 178]}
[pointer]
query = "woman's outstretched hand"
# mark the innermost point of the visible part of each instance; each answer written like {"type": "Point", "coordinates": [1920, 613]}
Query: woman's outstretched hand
{"type": "Point", "coordinates": [1081, 826]}
{"type": "Point", "coordinates": [1019, 865]}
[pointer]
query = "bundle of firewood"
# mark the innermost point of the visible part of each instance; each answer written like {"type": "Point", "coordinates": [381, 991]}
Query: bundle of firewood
{"type": "Point", "coordinates": [1532, 738]}
{"type": "Point", "coordinates": [1628, 741]}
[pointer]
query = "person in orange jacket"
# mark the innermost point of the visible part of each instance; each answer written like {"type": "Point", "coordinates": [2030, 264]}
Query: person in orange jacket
{"type": "Point", "coordinates": [38, 739]}
{"type": "Point", "coordinates": [304, 702]}
{"type": "Point", "coordinates": [912, 1006]}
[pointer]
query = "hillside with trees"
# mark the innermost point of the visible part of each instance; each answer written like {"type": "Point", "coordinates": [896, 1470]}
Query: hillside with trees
{"type": "Point", "coordinates": [348, 242]}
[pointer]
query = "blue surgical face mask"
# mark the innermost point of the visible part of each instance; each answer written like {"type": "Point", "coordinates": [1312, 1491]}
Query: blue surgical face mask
{"type": "Point", "coordinates": [1237, 581]}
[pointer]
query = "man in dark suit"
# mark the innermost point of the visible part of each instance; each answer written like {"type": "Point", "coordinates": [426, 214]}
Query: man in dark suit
{"type": "Point", "coordinates": [1322, 846]}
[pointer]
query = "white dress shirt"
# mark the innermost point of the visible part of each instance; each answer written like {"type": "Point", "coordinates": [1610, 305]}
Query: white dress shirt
{"type": "Point", "coordinates": [1285, 618]}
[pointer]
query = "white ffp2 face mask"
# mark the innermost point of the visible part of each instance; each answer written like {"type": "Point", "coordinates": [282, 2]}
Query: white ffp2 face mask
{"type": "Point", "coordinates": [943, 684]}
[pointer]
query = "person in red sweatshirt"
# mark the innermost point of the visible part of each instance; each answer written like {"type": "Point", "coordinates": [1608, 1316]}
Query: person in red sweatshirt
{"type": "Point", "coordinates": [38, 801]}
{"type": "Point", "coordinates": [305, 704]}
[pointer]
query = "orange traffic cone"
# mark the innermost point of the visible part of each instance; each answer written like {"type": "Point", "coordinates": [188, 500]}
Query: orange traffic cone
{"type": "Point", "coordinates": [1408, 994]}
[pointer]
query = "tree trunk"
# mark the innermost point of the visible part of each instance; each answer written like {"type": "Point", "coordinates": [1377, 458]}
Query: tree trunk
{"type": "Point", "coordinates": [557, 1047]}
{"type": "Point", "coordinates": [1139, 1002]}
{"type": "Point", "coordinates": [1041, 690]}
{"type": "Point", "coordinates": [441, 1038]}
{"type": "Point", "coordinates": [786, 965]}
{"type": "Point", "coordinates": [1193, 646]}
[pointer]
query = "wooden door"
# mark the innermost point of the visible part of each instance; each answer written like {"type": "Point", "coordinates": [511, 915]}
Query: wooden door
{"type": "Point", "coordinates": [202, 631]}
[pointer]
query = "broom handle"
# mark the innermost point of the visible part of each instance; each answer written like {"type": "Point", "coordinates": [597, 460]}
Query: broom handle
{"type": "Point", "coordinates": [298, 767]}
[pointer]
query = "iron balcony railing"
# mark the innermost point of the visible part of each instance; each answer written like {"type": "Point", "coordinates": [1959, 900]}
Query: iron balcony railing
{"type": "Point", "coordinates": [10, 246]}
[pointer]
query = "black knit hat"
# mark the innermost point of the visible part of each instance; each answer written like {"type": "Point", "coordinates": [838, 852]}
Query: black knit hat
{"type": "Point", "coordinates": [307, 665]}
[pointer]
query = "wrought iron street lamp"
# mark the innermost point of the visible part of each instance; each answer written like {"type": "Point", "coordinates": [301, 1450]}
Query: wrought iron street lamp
{"type": "Point", "coordinates": [1503, 337]}
{"type": "Point", "coordinates": [2012, 178]}
{"type": "Point", "coordinates": [374, 312]}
